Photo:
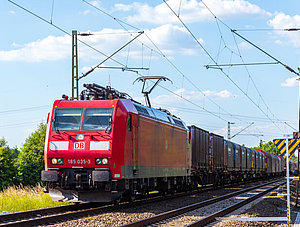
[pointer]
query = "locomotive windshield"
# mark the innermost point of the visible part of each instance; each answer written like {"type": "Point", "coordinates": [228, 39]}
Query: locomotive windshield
{"type": "Point", "coordinates": [97, 118]}
{"type": "Point", "coordinates": [67, 119]}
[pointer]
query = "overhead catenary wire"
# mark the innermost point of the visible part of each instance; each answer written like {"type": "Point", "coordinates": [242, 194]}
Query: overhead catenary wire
{"type": "Point", "coordinates": [248, 41]}
{"type": "Point", "coordinates": [20, 124]}
{"type": "Point", "coordinates": [277, 61]}
{"type": "Point", "coordinates": [243, 62]}
{"type": "Point", "coordinates": [107, 14]}
{"type": "Point", "coordinates": [197, 41]}
{"type": "Point", "coordinates": [65, 32]}
{"type": "Point", "coordinates": [24, 109]}
{"type": "Point", "coordinates": [240, 64]}
{"type": "Point", "coordinates": [52, 11]}
{"type": "Point", "coordinates": [56, 26]}
{"type": "Point", "coordinates": [196, 111]}
{"type": "Point", "coordinates": [62, 30]}
{"type": "Point", "coordinates": [110, 56]}
{"type": "Point", "coordinates": [266, 53]}
{"type": "Point", "coordinates": [158, 51]}
{"type": "Point", "coordinates": [268, 29]}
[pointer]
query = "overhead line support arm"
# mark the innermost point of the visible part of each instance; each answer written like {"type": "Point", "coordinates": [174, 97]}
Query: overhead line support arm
{"type": "Point", "coordinates": [110, 56]}
{"type": "Point", "coordinates": [287, 67]}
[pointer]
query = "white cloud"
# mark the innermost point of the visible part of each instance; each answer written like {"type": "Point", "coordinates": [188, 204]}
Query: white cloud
{"type": "Point", "coordinates": [12, 12]}
{"type": "Point", "coordinates": [190, 11]}
{"type": "Point", "coordinates": [96, 3]}
{"type": "Point", "coordinates": [283, 21]}
{"type": "Point", "coordinates": [245, 46]}
{"type": "Point", "coordinates": [279, 42]}
{"type": "Point", "coordinates": [291, 82]}
{"type": "Point", "coordinates": [50, 48]}
{"type": "Point", "coordinates": [193, 96]}
{"type": "Point", "coordinates": [169, 38]}
{"type": "Point", "coordinates": [172, 38]}
{"type": "Point", "coordinates": [122, 7]}
{"type": "Point", "coordinates": [86, 12]}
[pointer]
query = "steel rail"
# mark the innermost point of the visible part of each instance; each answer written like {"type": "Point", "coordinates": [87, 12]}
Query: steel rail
{"type": "Point", "coordinates": [182, 210]}
{"type": "Point", "coordinates": [211, 218]}
{"type": "Point", "coordinates": [53, 214]}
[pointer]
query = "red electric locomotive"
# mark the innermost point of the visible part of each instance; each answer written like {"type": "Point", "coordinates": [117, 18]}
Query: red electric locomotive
{"type": "Point", "coordinates": [105, 146]}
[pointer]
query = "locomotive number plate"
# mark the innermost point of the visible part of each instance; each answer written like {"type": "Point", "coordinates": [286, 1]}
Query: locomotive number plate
{"type": "Point", "coordinates": [79, 161]}
{"type": "Point", "coordinates": [79, 145]}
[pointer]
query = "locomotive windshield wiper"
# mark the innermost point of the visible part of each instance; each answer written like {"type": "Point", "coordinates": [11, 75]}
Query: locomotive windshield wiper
{"type": "Point", "coordinates": [108, 128]}
{"type": "Point", "coordinates": [55, 127]}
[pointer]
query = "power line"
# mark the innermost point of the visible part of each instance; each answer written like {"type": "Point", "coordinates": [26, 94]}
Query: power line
{"type": "Point", "coordinates": [19, 124]}
{"type": "Point", "coordinates": [266, 53]}
{"type": "Point", "coordinates": [52, 11]}
{"type": "Point", "coordinates": [62, 30]}
{"type": "Point", "coordinates": [119, 21]}
{"type": "Point", "coordinates": [107, 14]}
{"type": "Point", "coordinates": [240, 64]}
{"type": "Point", "coordinates": [234, 31]}
{"type": "Point", "coordinates": [195, 104]}
{"type": "Point", "coordinates": [197, 41]}
{"type": "Point", "coordinates": [268, 29]}
{"type": "Point", "coordinates": [24, 109]}
{"type": "Point", "coordinates": [109, 57]}
{"type": "Point", "coordinates": [159, 52]}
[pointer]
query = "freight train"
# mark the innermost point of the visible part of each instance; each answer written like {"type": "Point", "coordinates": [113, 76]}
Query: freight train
{"type": "Point", "coordinates": [107, 146]}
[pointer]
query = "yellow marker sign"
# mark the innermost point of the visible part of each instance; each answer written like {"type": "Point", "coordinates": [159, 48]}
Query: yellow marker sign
{"type": "Point", "coordinates": [281, 146]}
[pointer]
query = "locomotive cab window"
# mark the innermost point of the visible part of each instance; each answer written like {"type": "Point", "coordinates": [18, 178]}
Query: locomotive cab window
{"type": "Point", "coordinates": [97, 119]}
{"type": "Point", "coordinates": [67, 119]}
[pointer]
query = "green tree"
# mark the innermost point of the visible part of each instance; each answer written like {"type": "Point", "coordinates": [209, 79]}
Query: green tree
{"type": "Point", "coordinates": [8, 169]}
{"type": "Point", "coordinates": [271, 148]}
{"type": "Point", "coordinates": [268, 147]}
{"type": "Point", "coordinates": [31, 157]}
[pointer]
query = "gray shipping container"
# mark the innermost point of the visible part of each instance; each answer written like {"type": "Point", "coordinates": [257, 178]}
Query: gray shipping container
{"type": "Point", "coordinates": [238, 157]}
{"type": "Point", "coordinates": [199, 147]}
{"type": "Point", "coordinates": [249, 158]}
{"type": "Point", "coordinates": [244, 158]}
{"type": "Point", "coordinates": [256, 164]}
{"type": "Point", "coordinates": [253, 159]}
{"type": "Point", "coordinates": [217, 151]}
{"type": "Point", "coordinates": [229, 155]}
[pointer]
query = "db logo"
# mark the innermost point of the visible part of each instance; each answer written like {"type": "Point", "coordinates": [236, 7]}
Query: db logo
{"type": "Point", "coordinates": [79, 145]}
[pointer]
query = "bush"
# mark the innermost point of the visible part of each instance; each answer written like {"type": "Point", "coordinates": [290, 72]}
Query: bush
{"type": "Point", "coordinates": [8, 170]}
{"type": "Point", "coordinates": [31, 158]}
{"type": "Point", "coordinates": [21, 198]}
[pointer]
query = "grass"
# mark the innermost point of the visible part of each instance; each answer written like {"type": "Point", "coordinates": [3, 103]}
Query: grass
{"type": "Point", "coordinates": [22, 198]}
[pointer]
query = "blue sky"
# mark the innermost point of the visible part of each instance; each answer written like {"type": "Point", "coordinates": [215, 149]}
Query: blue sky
{"type": "Point", "coordinates": [35, 61]}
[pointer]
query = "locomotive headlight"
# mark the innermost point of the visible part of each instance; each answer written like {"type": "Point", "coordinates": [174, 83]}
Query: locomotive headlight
{"type": "Point", "coordinates": [98, 161]}
{"type": "Point", "coordinates": [104, 161]}
{"type": "Point", "coordinates": [57, 161]}
{"type": "Point", "coordinates": [80, 137]}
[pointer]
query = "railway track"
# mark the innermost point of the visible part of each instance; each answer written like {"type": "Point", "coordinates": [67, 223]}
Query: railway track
{"type": "Point", "coordinates": [164, 218]}
{"type": "Point", "coordinates": [54, 214]}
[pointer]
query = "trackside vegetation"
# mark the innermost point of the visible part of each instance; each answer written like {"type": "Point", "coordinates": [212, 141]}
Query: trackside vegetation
{"type": "Point", "coordinates": [20, 174]}
{"type": "Point", "coordinates": [271, 148]}
{"type": "Point", "coordinates": [22, 198]}
{"type": "Point", "coordinates": [24, 166]}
